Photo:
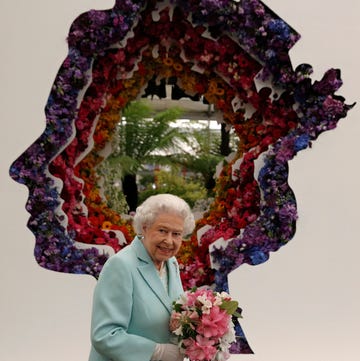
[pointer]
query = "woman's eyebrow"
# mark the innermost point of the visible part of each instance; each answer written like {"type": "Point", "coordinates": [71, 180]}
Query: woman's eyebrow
{"type": "Point", "coordinates": [170, 228]}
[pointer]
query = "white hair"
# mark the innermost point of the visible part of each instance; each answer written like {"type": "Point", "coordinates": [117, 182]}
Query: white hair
{"type": "Point", "coordinates": [155, 205]}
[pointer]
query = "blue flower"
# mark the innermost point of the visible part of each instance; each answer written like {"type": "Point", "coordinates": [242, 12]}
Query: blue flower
{"type": "Point", "coordinates": [280, 28]}
{"type": "Point", "coordinates": [257, 256]}
{"type": "Point", "coordinates": [301, 142]}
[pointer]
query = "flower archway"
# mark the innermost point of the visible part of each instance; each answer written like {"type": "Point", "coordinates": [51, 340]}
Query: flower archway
{"type": "Point", "coordinates": [235, 55]}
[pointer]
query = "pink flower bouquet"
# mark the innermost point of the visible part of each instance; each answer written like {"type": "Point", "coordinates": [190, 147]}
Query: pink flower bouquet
{"type": "Point", "coordinates": [202, 322]}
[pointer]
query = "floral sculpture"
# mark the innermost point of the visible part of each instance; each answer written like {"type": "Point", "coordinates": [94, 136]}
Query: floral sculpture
{"type": "Point", "coordinates": [232, 53]}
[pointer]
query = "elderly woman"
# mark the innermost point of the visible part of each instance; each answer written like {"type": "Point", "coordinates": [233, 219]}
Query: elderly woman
{"type": "Point", "coordinates": [134, 294]}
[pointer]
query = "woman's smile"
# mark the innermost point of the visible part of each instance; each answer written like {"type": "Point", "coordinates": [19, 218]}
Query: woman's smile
{"type": "Point", "coordinates": [165, 249]}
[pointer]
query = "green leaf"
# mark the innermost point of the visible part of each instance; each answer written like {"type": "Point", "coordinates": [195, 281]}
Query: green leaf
{"type": "Point", "coordinates": [230, 307]}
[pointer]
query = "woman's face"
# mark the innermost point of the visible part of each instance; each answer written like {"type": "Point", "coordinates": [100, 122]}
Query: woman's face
{"type": "Point", "coordinates": [163, 238]}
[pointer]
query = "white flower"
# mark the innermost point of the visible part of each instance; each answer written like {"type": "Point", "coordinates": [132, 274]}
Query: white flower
{"type": "Point", "coordinates": [222, 355]}
{"type": "Point", "coordinates": [207, 304]}
{"type": "Point", "coordinates": [183, 300]}
{"type": "Point", "coordinates": [220, 297]}
{"type": "Point", "coordinates": [218, 300]}
{"type": "Point", "coordinates": [228, 338]}
{"type": "Point", "coordinates": [178, 331]}
{"type": "Point", "coordinates": [224, 295]}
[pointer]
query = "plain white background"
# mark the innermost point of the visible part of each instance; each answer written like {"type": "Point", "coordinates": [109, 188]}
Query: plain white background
{"type": "Point", "coordinates": [300, 305]}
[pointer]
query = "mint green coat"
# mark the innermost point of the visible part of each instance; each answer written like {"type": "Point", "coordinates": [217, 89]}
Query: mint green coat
{"type": "Point", "coordinates": [131, 308]}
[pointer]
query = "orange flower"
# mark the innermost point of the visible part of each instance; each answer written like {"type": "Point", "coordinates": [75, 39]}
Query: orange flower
{"type": "Point", "coordinates": [168, 61]}
{"type": "Point", "coordinates": [178, 67]}
{"type": "Point", "coordinates": [219, 91]}
{"type": "Point", "coordinates": [212, 88]}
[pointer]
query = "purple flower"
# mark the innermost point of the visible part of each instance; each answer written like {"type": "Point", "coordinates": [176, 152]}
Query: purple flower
{"type": "Point", "coordinates": [333, 107]}
{"type": "Point", "coordinates": [330, 82]}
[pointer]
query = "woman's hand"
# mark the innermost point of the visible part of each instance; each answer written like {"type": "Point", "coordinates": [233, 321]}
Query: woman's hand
{"type": "Point", "coordinates": [166, 352]}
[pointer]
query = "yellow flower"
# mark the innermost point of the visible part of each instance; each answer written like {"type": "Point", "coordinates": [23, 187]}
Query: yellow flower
{"type": "Point", "coordinates": [106, 225]}
{"type": "Point", "coordinates": [129, 82]}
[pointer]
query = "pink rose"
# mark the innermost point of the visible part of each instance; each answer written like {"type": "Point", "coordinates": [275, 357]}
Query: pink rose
{"type": "Point", "coordinates": [214, 324]}
{"type": "Point", "coordinates": [200, 349]}
{"type": "Point", "coordinates": [175, 321]}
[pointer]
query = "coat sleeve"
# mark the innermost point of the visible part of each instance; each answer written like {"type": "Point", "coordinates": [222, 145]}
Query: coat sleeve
{"type": "Point", "coordinates": [112, 307]}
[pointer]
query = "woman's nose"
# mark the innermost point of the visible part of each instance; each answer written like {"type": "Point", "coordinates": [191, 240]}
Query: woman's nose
{"type": "Point", "coordinates": [169, 237]}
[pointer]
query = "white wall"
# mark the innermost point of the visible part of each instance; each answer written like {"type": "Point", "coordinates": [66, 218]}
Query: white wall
{"type": "Point", "coordinates": [300, 305]}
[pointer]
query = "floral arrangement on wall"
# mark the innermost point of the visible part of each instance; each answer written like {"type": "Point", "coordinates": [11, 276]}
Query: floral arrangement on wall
{"type": "Point", "coordinates": [232, 53]}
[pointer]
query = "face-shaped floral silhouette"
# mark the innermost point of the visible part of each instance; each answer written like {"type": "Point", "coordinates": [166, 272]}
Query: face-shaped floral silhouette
{"type": "Point", "coordinates": [232, 53]}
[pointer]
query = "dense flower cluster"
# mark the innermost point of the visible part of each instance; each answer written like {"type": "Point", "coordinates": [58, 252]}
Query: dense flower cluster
{"type": "Point", "coordinates": [234, 54]}
{"type": "Point", "coordinates": [202, 321]}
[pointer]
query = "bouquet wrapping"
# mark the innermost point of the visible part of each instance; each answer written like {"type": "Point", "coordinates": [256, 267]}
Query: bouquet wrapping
{"type": "Point", "coordinates": [202, 322]}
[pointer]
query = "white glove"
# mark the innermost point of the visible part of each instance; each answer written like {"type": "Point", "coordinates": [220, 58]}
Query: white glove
{"type": "Point", "coordinates": [166, 352]}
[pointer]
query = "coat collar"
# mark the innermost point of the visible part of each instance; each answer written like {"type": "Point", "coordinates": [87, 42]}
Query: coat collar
{"type": "Point", "coordinates": [149, 273]}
